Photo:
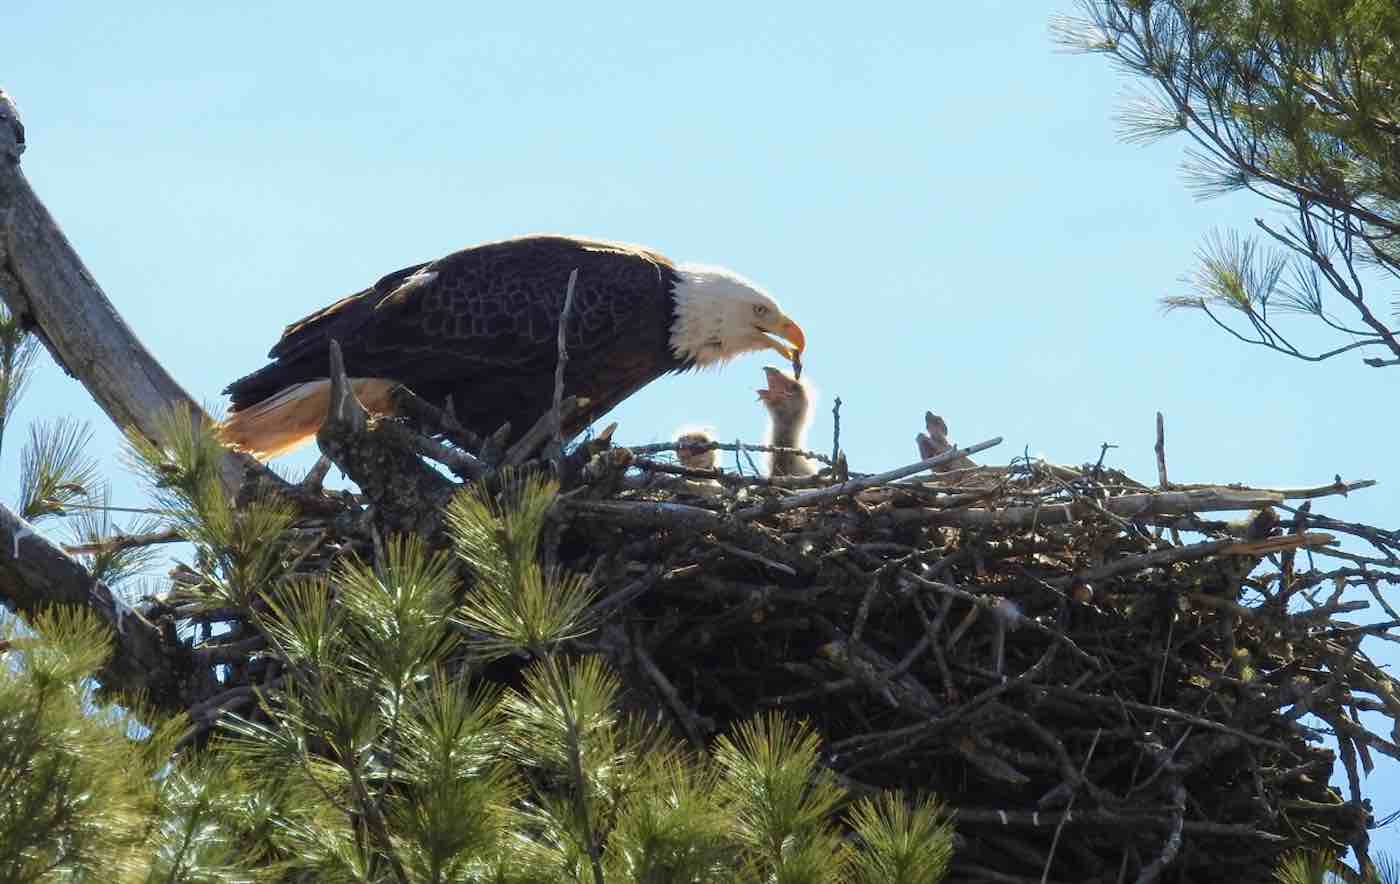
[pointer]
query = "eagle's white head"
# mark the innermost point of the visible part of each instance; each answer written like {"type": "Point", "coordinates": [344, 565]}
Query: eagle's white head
{"type": "Point", "coordinates": [720, 315]}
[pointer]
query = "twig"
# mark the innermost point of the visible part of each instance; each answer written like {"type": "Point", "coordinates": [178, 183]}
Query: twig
{"type": "Point", "coordinates": [433, 419]}
{"type": "Point", "coordinates": [383, 459]}
{"type": "Point", "coordinates": [1164, 712]}
{"type": "Point", "coordinates": [317, 474]}
{"type": "Point", "coordinates": [1112, 819]}
{"type": "Point", "coordinates": [1161, 450]}
{"type": "Point", "coordinates": [1162, 482]}
{"type": "Point", "coordinates": [923, 730]}
{"type": "Point", "coordinates": [119, 542]}
{"type": "Point", "coordinates": [659, 447]}
{"type": "Point", "coordinates": [836, 429]}
{"type": "Point", "coordinates": [980, 602]}
{"type": "Point", "coordinates": [1329, 490]}
{"type": "Point", "coordinates": [740, 448]}
{"type": "Point", "coordinates": [1155, 503]}
{"type": "Point", "coordinates": [462, 464]}
{"type": "Point", "coordinates": [684, 714]}
{"type": "Point", "coordinates": [540, 433]}
{"type": "Point", "coordinates": [808, 498]}
{"type": "Point", "coordinates": [226, 652]}
{"type": "Point", "coordinates": [1069, 807]}
{"type": "Point", "coordinates": [755, 557]}
{"type": "Point", "coordinates": [557, 448]}
{"type": "Point", "coordinates": [1104, 448]}
{"type": "Point", "coordinates": [727, 477]}
{"type": "Point", "coordinates": [344, 407]}
{"type": "Point", "coordinates": [1173, 845]}
{"type": "Point", "coordinates": [1195, 552]}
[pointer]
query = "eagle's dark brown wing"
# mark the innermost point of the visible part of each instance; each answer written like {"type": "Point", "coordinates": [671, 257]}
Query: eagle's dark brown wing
{"type": "Point", "coordinates": [481, 325]}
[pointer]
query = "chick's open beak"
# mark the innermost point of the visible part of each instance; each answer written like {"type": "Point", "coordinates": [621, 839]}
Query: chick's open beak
{"type": "Point", "coordinates": [779, 387]}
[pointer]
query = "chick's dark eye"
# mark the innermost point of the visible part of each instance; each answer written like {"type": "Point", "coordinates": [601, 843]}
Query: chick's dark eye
{"type": "Point", "coordinates": [759, 310]}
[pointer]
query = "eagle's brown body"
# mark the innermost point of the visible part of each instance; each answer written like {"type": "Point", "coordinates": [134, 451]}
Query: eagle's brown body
{"type": "Point", "coordinates": [481, 326]}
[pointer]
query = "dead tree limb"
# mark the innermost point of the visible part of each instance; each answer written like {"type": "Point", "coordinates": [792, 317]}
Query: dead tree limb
{"type": "Point", "coordinates": [36, 575]}
{"type": "Point", "coordinates": [43, 280]}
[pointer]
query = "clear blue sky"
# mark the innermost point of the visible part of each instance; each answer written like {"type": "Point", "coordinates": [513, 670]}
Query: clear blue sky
{"type": "Point", "coordinates": [934, 192]}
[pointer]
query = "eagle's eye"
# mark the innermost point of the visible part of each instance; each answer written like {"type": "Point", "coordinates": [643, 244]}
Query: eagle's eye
{"type": "Point", "coordinates": [760, 310]}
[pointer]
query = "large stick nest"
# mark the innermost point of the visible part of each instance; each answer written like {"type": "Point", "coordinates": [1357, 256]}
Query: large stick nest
{"type": "Point", "coordinates": [1093, 673]}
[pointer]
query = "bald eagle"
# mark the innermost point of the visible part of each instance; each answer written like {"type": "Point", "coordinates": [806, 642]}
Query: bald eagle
{"type": "Point", "coordinates": [479, 327]}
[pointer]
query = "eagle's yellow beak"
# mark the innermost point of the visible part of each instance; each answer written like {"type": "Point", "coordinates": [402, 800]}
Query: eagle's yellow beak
{"type": "Point", "coordinates": [792, 333]}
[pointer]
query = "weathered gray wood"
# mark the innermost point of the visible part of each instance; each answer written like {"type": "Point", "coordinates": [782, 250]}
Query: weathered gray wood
{"type": "Point", "coordinates": [43, 280]}
{"type": "Point", "coordinates": [821, 495]}
{"type": "Point", "coordinates": [36, 575]}
{"type": "Point", "coordinates": [1169, 503]}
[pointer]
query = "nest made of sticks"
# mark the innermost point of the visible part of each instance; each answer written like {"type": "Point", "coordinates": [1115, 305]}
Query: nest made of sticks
{"type": "Point", "coordinates": [1102, 680]}
{"type": "Point", "coordinates": [1039, 645]}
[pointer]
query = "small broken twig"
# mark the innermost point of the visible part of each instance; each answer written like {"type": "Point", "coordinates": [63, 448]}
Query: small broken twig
{"type": "Point", "coordinates": [1069, 808]}
{"type": "Point", "coordinates": [836, 429]}
{"type": "Point", "coordinates": [435, 420]}
{"type": "Point", "coordinates": [808, 498]}
{"type": "Point", "coordinates": [540, 433]}
{"type": "Point", "coordinates": [119, 542]}
{"type": "Point", "coordinates": [1161, 449]}
{"type": "Point", "coordinates": [344, 406]}
{"type": "Point", "coordinates": [556, 449]}
{"type": "Point", "coordinates": [317, 474]}
{"type": "Point", "coordinates": [697, 447]}
{"type": "Point", "coordinates": [740, 448]}
{"type": "Point", "coordinates": [1173, 844]}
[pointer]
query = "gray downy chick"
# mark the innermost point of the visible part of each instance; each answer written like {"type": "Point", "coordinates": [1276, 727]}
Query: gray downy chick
{"type": "Point", "coordinates": [789, 409]}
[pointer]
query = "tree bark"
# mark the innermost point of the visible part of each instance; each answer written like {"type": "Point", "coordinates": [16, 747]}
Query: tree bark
{"type": "Point", "coordinates": [43, 280]}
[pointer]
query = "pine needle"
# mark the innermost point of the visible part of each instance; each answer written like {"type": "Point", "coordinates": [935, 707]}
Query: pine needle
{"type": "Point", "coordinates": [55, 469]}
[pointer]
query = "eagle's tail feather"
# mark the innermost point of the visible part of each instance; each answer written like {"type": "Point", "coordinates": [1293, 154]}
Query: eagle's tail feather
{"type": "Point", "coordinates": [288, 419]}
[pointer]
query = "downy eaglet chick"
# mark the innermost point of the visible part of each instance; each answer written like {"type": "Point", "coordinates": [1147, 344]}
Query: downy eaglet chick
{"type": "Point", "coordinates": [789, 405]}
{"type": "Point", "coordinates": [692, 454]}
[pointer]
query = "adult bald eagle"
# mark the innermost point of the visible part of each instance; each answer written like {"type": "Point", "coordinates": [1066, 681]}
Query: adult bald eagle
{"type": "Point", "coordinates": [481, 326]}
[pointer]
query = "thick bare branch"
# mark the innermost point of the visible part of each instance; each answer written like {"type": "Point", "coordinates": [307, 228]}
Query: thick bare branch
{"type": "Point", "coordinates": [55, 293]}
{"type": "Point", "coordinates": [36, 575]}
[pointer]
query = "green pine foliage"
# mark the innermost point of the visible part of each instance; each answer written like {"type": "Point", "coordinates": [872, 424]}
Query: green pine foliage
{"type": "Point", "coordinates": [77, 796]}
{"type": "Point", "coordinates": [1313, 867]}
{"type": "Point", "coordinates": [1296, 101]}
{"type": "Point", "coordinates": [241, 550]}
{"type": "Point", "coordinates": [55, 470]}
{"type": "Point", "coordinates": [381, 754]}
{"type": "Point", "coordinates": [904, 845]}
{"type": "Point", "coordinates": [90, 526]}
